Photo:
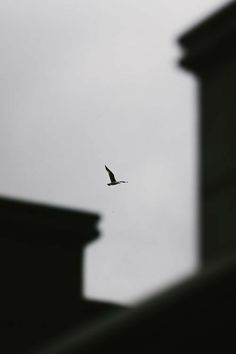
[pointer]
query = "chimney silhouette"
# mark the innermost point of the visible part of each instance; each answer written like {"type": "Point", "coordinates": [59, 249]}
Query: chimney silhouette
{"type": "Point", "coordinates": [210, 53]}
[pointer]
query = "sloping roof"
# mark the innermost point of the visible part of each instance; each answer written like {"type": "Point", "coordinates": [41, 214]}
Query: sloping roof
{"type": "Point", "coordinates": [197, 316]}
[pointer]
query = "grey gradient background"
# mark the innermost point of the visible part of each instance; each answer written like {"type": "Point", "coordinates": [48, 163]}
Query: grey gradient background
{"type": "Point", "coordinates": [88, 83]}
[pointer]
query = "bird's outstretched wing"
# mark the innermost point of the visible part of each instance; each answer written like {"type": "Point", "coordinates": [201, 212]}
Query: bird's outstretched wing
{"type": "Point", "coordinates": [111, 175]}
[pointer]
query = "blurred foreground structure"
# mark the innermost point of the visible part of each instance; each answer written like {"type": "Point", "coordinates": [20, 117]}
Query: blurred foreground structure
{"type": "Point", "coordinates": [210, 53]}
{"type": "Point", "coordinates": [199, 315]}
{"type": "Point", "coordinates": [41, 272]}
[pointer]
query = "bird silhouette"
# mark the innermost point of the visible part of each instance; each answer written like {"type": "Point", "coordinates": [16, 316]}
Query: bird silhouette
{"type": "Point", "coordinates": [112, 178]}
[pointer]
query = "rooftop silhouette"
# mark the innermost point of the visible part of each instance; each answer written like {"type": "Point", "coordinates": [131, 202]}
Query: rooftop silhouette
{"type": "Point", "coordinates": [42, 247]}
{"type": "Point", "coordinates": [41, 272]}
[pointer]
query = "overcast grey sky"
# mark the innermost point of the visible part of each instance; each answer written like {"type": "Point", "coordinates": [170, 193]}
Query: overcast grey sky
{"type": "Point", "coordinates": [88, 83]}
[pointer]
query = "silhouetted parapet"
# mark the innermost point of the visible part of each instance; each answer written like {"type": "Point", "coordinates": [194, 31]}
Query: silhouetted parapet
{"type": "Point", "coordinates": [43, 249]}
{"type": "Point", "coordinates": [66, 227]}
{"type": "Point", "coordinates": [210, 53]}
{"type": "Point", "coordinates": [41, 270]}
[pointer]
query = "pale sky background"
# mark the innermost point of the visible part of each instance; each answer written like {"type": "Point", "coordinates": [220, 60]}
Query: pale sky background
{"type": "Point", "coordinates": [85, 83]}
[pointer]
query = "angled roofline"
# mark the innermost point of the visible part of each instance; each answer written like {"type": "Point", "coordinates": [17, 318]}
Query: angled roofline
{"type": "Point", "coordinates": [208, 42]}
{"type": "Point", "coordinates": [43, 223]}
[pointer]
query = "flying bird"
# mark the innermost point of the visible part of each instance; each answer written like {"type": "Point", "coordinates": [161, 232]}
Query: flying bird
{"type": "Point", "coordinates": [112, 178]}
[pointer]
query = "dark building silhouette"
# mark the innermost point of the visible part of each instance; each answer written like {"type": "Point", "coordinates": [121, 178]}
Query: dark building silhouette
{"type": "Point", "coordinates": [199, 315]}
{"type": "Point", "coordinates": [210, 53]}
{"type": "Point", "coordinates": [41, 273]}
